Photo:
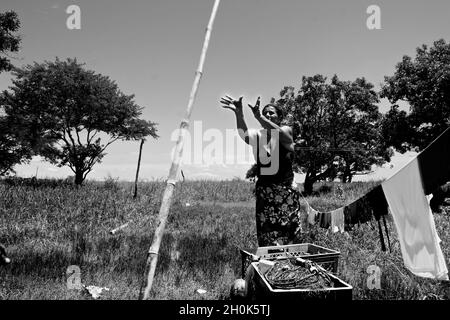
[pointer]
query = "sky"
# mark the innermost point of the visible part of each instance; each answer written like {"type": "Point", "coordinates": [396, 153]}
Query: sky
{"type": "Point", "coordinates": [152, 49]}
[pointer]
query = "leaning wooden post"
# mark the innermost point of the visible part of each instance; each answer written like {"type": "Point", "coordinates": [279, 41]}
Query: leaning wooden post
{"type": "Point", "coordinates": [137, 170]}
{"type": "Point", "coordinates": [152, 257]}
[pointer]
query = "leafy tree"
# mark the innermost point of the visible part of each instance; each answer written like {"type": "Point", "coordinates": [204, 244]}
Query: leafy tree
{"type": "Point", "coordinates": [11, 151]}
{"type": "Point", "coordinates": [337, 124]}
{"type": "Point", "coordinates": [425, 84]}
{"type": "Point", "coordinates": [396, 130]}
{"type": "Point", "coordinates": [9, 41]}
{"type": "Point", "coordinates": [66, 112]}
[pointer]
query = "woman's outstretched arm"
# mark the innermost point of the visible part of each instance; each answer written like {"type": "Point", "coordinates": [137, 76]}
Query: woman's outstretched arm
{"type": "Point", "coordinates": [285, 132]}
{"type": "Point", "coordinates": [236, 106]}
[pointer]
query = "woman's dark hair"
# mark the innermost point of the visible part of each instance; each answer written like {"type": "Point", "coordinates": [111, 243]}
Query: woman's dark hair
{"type": "Point", "coordinates": [280, 112]}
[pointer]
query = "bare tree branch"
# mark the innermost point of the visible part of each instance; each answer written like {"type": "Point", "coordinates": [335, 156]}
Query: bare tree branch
{"type": "Point", "coordinates": [70, 136]}
{"type": "Point", "coordinates": [111, 141]}
{"type": "Point", "coordinates": [95, 133]}
{"type": "Point", "coordinates": [87, 136]}
{"type": "Point", "coordinates": [87, 171]}
{"type": "Point", "coordinates": [78, 136]}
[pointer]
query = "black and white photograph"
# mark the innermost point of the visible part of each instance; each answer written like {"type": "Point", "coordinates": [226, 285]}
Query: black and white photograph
{"type": "Point", "coordinates": [259, 154]}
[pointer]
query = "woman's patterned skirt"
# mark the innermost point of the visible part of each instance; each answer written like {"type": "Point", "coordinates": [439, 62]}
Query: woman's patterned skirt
{"type": "Point", "coordinates": [278, 218]}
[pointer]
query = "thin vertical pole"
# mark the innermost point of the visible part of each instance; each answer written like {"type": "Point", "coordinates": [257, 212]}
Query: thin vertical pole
{"type": "Point", "coordinates": [152, 257]}
{"type": "Point", "coordinates": [137, 170]}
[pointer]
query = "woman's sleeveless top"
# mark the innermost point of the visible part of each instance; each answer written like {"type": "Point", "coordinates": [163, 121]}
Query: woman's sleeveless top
{"type": "Point", "coordinates": [284, 173]}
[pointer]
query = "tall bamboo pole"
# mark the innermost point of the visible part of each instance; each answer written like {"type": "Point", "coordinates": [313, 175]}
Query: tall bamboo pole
{"type": "Point", "coordinates": [152, 256]}
{"type": "Point", "coordinates": [137, 170]}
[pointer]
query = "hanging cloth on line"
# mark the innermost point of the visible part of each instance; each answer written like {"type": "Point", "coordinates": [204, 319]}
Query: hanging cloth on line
{"type": "Point", "coordinates": [434, 163]}
{"type": "Point", "coordinates": [337, 220]}
{"type": "Point", "coordinates": [414, 222]}
{"type": "Point", "coordinates": [359, 211]}
{"type": "Point", "coordinates": [312, 215]}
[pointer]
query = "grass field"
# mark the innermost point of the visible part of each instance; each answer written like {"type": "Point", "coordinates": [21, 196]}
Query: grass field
{"type": "Point", "coordinates": [50, 225]}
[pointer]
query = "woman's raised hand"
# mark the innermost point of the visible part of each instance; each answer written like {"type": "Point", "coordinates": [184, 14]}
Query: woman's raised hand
{"type": "Point", "coordinates": [231, 103]}
{"type": "Point", "coordinates": [255, 109]}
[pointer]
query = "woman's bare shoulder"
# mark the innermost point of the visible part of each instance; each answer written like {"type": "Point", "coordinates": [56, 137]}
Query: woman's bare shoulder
{"type": "Point", "coordinates": [286, 129]}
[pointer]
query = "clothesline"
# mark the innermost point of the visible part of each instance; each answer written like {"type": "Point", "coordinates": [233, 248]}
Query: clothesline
{"type": "Point", "coordinates": [444, 135]}
{"type": "Point", "coordinates": [329, 149]}
{"type": "Point", "coordinates": [415, 158]}
{"type": "Point", "coordinates": [404, 194]}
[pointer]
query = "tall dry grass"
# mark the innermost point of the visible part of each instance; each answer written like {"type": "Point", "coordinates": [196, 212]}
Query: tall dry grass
{"type": "Point", "coordinates": [48, 225]}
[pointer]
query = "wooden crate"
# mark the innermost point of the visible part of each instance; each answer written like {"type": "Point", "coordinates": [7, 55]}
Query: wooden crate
{"type": "Point", "coordinates": [263, 290]}
{"type": "Point", "coordinates": [327, 258]}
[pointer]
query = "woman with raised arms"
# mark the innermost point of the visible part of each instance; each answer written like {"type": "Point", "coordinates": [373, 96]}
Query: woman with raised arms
{"type": "Point", "coordinates": [277, 203]}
